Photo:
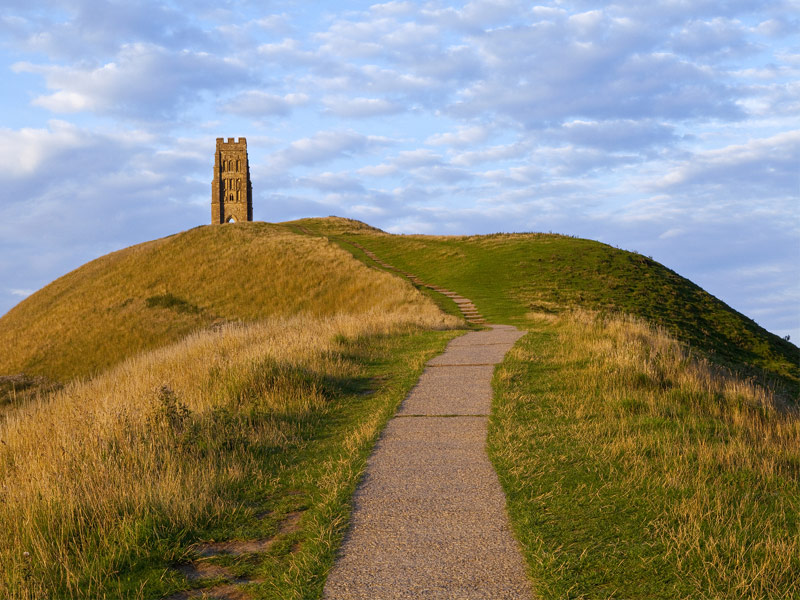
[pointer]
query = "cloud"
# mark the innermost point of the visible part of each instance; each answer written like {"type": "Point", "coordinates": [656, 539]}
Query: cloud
{"type": "Point", "coordinates": [463, 136]}
{"type": "Point", "coordinates": [382, 170]}
{"type": "Point", "coordinates": [256, 103]}
{"type": "Point", "coordinates": [393, 9]}
{"type": "Point", "coordinates": [348, 107]}
{"type": "Point", "coordinates": [590, 65]}
{"type": "Point", "coordinates": [145, 82]}
{"type": "Point", "coordinates": [322, 147]}
{"type": "Point", "coordinates": [332, 182]}
{"type": "Point", "coordinates": [289, 53]}
{"type": "Point", "coordinates": [491, 154]}
{"type": "Point", "coordinates": [618, 134]}
{"type": "Point", "coordinates": [73, 194]}
{"type": "Point", "coordinates": [476, 15]}
{"type": "Point", "coordinates": [378, 37]}
{"type": "Point", "coordinates": [764, 168]}
{"type": "Point", "coordinates": [665, 127]}
{"type": "Point", "coordinates": [409, 159]}
{"type": "Point", "coordinates": [84, 29]}
{"type": "Point", "coordinates": [720, 37]}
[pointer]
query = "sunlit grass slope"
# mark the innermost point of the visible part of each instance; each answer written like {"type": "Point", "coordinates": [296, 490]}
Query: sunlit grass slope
{"type": "Point", "coordinates": [155, 293]}
{"type": "Point", "coordinates": [227, 434]}
{"type": "Point", "coordinates": [508, 276]}
{"type": "Point", "coordinates": [634, 471]}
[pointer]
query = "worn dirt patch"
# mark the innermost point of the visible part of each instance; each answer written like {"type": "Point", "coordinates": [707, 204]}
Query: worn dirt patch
{"type": "Point", "coordinates": [235, 547]}
{"type": "Point", "coordinates": [226, 591]}
{"type": "Point", "coordinates": [291, 523]}
{"type": "Point", "coordinates": [204, 570]}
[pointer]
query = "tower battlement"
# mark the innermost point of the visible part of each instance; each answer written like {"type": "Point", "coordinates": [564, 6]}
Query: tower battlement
{"type": "Point", "coordinates": [231, 190]}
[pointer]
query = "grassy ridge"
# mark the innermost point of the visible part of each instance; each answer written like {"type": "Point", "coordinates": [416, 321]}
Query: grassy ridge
{"type": "Point", "coordinates": [632, 471]}
{"type": "Point", "coordinates": [511, 275]}
{"type": "Point", "coordinates": [155, 293]}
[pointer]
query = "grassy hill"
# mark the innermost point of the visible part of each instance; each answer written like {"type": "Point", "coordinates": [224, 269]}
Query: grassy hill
{"type": "Point", "coordinates": [155, 293]}
{"type": "Point", "coordinates": [241, 374]}
{"type": "Point", "coordinates": [250, 372]}
{"type": "Point", "coordinates": [511, 276]}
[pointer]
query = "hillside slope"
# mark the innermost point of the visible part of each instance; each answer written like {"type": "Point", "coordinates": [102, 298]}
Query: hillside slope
{"type": "Point", "coordinates": [155, 293]}
{"type": "Point", "coordinates": [246, 436]}
{"type": "Point", "coordinates": [509, 276]}
{"type": "Point", "coordinates": [257, 433]}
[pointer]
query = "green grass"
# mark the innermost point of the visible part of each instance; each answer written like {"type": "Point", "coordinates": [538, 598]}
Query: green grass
{"type": "Point", "coordinates": [632, 468]}
{"type": "Point", "coordinates": [280, 439]}
{"type": "Point", "coordinates": [315, 475]}
{"type": "Point", "coordinates": [632, 473]}
{"type": "Point", "coordinates": [508, 276]}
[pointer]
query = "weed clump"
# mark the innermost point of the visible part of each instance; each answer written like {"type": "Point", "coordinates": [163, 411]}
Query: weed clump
{"type": "Point", "coordinates": [171, 302]}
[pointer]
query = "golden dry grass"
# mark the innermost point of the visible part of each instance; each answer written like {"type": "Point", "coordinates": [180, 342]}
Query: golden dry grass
{"type": "Point", "coordinates": [114, 307]}
{"type": "Point", "coordinates": [102, 471]}
{"type": "Point", "coordinates": [81, 473]}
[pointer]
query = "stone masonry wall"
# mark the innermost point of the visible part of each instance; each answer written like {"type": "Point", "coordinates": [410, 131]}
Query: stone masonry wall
{"type": "Point", "coordinates": [231, 190]}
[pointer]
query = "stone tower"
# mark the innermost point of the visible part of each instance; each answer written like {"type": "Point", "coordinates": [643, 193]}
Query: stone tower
{"type": "Point", "coordinates": [231, 191]}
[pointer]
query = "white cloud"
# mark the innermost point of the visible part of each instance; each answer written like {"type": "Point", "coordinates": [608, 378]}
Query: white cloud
{"type": "Point", "coordinates": [145, 82]}
{"type": "Point", "coordinates": [618, 134]}
{"type": "Point", "coordinates": [322, 147]}
{"type": "Point", "coordinates": [256, 103]}
{"type": "Point", "coordinates": [348, 107]}
{"type": "Point", "coordinates": [463, 136]}
{"type": "Point", "coordinates": [382, 170]}
{"type": "Point", "coordinates": [766, 167]}
{"type": "Point", "coordinates": [280, 23]}
{"type": "Point", "coordinates": [25, 151]}
{"type": "Point", "coordinates": [332, 182]}
{"type": "Point", "coordinates": [672, 232]}
{"type": "Point", "coordinates": [409, 159]}
{"type": "Point", "coordinates": [491, 154]}
{"type": "Point", "coordinates": [659, 126]}
{"type": "Point", "coordinates": [719, 36]}
{"type": "Point", "coordinates": [393, 9]}
{"type": "Point", "coordinates": [287, 52]}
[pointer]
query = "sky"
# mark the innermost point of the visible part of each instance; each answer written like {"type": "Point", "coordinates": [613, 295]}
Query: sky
{"type": "Point", "coordinates": [670, 128]}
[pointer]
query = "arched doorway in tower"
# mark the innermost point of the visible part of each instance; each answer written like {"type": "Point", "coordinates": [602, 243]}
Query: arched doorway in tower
{"type": "Point", "coordinates": [231, 219]}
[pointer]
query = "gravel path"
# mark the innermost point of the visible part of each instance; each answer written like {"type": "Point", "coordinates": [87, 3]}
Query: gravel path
{"type": "Point", "coordinates": [429, 519]}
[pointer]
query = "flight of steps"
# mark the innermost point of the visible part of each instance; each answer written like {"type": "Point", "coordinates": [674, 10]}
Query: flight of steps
{"type": "Point", "coordinates": [465, 305]}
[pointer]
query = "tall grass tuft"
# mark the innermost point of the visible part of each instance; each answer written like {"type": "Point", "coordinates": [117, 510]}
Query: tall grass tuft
{"type": "Point", "coordinates": [636, 470]}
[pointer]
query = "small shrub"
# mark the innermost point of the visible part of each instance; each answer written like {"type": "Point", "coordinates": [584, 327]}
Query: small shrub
{"type": "Point", "coordinates": [169, 412]}
{"type": "Point", "coordinates": [171, 302]}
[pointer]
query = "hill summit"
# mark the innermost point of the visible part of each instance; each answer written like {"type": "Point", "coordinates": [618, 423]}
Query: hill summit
{"type": "Point", "coordinates": [154, 293]}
